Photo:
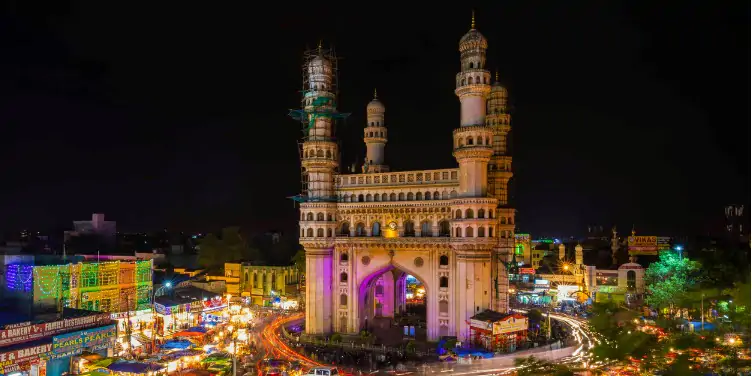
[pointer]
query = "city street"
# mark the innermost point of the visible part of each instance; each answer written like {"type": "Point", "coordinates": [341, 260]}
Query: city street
{"type": "Point", "coordinates": [276, 347]}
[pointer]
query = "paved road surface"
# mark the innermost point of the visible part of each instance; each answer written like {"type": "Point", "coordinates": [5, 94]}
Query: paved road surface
{"type": "Point", "coordinates": [500, 365]}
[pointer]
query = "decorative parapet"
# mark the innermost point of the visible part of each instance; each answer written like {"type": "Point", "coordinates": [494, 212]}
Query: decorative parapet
{"type": "Point", "coordinates": [404, 178]}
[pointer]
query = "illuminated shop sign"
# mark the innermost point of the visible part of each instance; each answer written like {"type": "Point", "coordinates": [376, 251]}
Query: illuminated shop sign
{"type": "Point", "coordinates": [96, 337]}
{"type": "Point", "coordinates": [30, 332]}
{"type": "Point", "coordinates": [527, 271]}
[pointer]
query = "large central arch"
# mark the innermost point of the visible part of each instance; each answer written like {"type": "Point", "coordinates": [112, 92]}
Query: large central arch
{"type": "Point", "coordinates": [388, 291]}
{"type": "Point", "coordinates": [393, 292]}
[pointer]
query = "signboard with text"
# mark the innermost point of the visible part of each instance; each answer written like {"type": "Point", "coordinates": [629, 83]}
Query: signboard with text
{"type": "Point", "coordinates": [32, 332]}
{"type": "Point", "coordinates": [527, 271]}
{"type": "Point", "coordinates": [23, 356]}
{"type": "Point", "coordinates": [647, 245]}
{"type": "Point", "coordinates": [510, 324]}
{"type": "Point", "coordinates": [484, 325]}
{"type": "Point", "coordinates": [96, 337]}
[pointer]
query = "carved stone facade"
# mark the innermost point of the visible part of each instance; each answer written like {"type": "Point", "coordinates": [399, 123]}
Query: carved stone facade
{"type": "Point", "coordinates": [450, 228]}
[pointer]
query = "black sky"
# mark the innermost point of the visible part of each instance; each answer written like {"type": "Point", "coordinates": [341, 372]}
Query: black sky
{"type": "Point", "coordinates": [174, 115]}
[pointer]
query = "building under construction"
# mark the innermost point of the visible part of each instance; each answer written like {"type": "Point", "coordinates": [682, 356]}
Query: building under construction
{"type": "Point", "coordinates": [319, 151]}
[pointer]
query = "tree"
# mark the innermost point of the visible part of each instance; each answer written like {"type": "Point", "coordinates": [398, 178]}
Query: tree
{"type": "Point", "coordinates": [668, 280]}
{"type": "Point", "coordinates": [533, 366]}
{"type": "Point", "coordinates": [299, 261]}
{"type": "Point", "coordinates": [535, 320]}
{"type": "Point", "coordinates": [214, 252]}
{"type": "Point", "coordinates": [621, 339]}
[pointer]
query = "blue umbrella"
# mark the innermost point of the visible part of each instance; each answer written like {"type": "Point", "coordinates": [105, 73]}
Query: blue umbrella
{"type": "Point", "coordinates": [177, 344]}
{"type": "Point", "coordinates": [134, 367]}
{"type": "Point", "coordinates": [197, 329]}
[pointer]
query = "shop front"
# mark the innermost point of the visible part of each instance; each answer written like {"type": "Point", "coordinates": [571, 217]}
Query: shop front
{"type": "Point", "coordinates": [52, 356]}
{"type": "Point", "coordinates": [172, 318]}
{"type": "Point", "coordinates": [497, 331]}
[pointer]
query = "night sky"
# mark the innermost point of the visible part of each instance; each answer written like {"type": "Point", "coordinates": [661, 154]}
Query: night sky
{"type": "Point", "coordinates": [176, 116]}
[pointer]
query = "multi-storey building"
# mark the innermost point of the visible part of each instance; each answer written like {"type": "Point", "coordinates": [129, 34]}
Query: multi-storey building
{"type": "Point", "coordinates": [452, 228]}
{"type": "Point", "coordinates": [111, 286]}
{"type": "Point", "coordinates": [261, 283]}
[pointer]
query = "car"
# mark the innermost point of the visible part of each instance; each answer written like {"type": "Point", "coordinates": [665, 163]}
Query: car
{"type": "Point", "coordinates": [323, 371]}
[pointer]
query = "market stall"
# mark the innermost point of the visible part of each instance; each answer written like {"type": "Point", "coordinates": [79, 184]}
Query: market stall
{"type": "Point", "coordinates": [497, 331]}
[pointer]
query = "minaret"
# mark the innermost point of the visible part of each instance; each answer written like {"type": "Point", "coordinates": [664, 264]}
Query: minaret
{"type": "Point", "coordinates": [500, 167]}
{"type": "Point", "coordinates": [375, 136]}
{"type": "Point", "coordinates": [473, 81]}
{"type": "Point", "coordinates": [614, 247]}
{"type": "Point", "coordinates": [318, 208]}
{"type": "Point", "coordinates": [472, 141]}
{"type": "Point", "coordinates": [562, 252]}
{"type": "Point", "coordinates": [578, 255]}
{"type": "Point", "coordinates": [482, 282]}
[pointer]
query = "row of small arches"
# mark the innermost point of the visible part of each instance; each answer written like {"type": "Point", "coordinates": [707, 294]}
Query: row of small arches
{"type": "Point", "coordinates": [443, 260]}
{"type": "Point", "coordinates": [470, 214]}
{"type": "Point", "coordinates": [470, 141]}
{"type": "Point", "coordinates": [377, 134]}
{"type": "Point", "coordinates": [402, 196]}
{"type": "Point", "coordinates": [317, 87]}
{"type": "Point", "coordinates": [478, 80]}
{"type": "Point", "coordinates": [408, 229]}
{"type": "Point", "coordinates": [318, 153]}
{"type": "Point", "coordinates": [319, 217]}
{"type": "Point", "coordinates": [497, 122]}
{"type": "Point", "coordinates": [471, 233]}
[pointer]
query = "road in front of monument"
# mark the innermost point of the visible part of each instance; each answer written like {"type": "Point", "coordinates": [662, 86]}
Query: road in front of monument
{"type": "Point", "coordinates": [577, 355]}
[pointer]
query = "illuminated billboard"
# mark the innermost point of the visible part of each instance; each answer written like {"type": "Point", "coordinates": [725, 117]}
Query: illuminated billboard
{"type": "Point", "coordinates": [647, 245]}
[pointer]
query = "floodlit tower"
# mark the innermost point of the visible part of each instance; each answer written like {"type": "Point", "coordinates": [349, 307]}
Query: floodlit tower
{"type": "Point", "coordinates": [578, 255]}
{"type": "Point", "coordinates": [375, 136]}
{"type": "Point", "coordinates": [472, 141]}
{"type": "Point", "coordinates": [318, 204]}
{"type": "Point", "coordinates": [562, 252]}
{"type": "Point", "coordinates": [478, 270]}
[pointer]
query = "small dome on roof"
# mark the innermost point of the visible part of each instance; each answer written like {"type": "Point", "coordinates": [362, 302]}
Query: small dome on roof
{"type": "Point", "coordinates": [375, 105]}
{"type": "Point", "coordinates": [474, 36]}
{"type": "Point", "coordinates": [498, 88]}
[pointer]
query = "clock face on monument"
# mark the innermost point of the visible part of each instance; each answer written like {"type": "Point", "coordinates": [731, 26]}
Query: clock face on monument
{"type": "Point", "coordinates": [393, 225]}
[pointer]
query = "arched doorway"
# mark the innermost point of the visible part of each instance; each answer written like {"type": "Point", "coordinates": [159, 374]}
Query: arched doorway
{"type": "Point", "coordinates": [392, 305]}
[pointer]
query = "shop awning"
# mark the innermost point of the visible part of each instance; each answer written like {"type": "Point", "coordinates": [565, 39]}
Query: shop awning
{"type": "Point", "coordinates": [134, 367]}
{"type": "Point", "coordinates": [177, 344]}
{"type": "Point", "coordinates": [186, 333]}
{"type": "Point", "coordinates": [197, 329]}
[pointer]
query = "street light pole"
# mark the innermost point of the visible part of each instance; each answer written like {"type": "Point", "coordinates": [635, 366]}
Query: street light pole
{"type": "Point", "coordinates": [702, 312]}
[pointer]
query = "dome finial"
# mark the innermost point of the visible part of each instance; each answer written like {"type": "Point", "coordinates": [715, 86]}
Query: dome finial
{"type": "Point", "coordinates": [472, 23]}
{"type": "Point", "coordinates": [374, 94]}
{"type": "Point", "coordinates": [497, 75]}
{"type": "Point", "coordinates": [321, 42]}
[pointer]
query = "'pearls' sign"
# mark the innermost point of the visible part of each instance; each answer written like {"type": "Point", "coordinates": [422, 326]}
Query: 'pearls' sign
{"type": "Point", "coordinates": [32, 332]}
{"type": "Point", "coordinates": [72, 342]}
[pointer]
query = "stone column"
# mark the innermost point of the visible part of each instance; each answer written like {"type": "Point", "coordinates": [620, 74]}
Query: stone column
{"type": "Point", "coordinates": [388, 308]}
{"type": "Point", "coordinates": [318, 293]}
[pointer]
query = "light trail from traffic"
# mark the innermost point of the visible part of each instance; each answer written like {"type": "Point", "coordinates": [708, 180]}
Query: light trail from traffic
{"type": "Point", "coordinates": [275, 347]}
{"type": "Point", "coordinates": [585, 339]}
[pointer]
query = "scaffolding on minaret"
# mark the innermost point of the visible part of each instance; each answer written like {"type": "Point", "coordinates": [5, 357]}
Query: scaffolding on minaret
{"type": "Point", "coordinates": [318, 107]}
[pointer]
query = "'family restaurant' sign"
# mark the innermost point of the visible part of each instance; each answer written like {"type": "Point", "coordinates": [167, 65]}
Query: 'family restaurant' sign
{"type": "Point", "coordinates": [32, 332]}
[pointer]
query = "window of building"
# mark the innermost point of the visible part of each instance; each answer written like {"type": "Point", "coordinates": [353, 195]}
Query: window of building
{"type": "Point", "coordinates": [444, 282]}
